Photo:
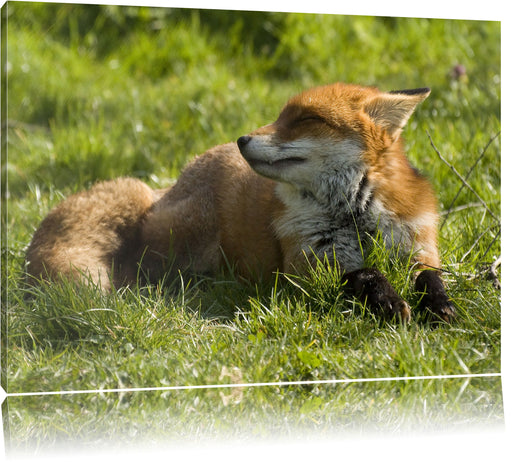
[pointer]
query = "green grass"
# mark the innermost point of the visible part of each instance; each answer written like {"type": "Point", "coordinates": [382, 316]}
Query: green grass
{"type": "Point", "coordinates": [100, 92]}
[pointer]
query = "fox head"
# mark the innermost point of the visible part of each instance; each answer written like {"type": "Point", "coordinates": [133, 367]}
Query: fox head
{"type": "Point", "coordinates": [330, 129]}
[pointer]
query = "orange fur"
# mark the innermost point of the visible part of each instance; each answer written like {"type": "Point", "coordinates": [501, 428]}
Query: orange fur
{"type": "Point", "coordinates": [221, 209]}
{"type": "Point", "coordinates": [89, 232]}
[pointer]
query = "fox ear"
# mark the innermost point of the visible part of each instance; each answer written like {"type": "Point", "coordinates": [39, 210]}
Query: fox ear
{"type": "Point", "coordinates": [392, 110]}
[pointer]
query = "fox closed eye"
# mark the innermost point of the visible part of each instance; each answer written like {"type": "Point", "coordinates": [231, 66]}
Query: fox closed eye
{"type": "Point", "coordinates": [313, 119]}
{"type": "Point", "coordinates": [309, 118]}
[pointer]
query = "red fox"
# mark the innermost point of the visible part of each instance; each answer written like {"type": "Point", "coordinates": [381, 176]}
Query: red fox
{"type": "Point", "coordinates": [326, 174]}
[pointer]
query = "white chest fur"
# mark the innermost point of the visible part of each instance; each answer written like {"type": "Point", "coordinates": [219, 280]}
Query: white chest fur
{"type": "Point", "coordinates": [336, 220]}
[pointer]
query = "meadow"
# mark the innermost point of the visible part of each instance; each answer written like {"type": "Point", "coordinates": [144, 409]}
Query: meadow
{"type": "Point", "coordinates": [97, 92]}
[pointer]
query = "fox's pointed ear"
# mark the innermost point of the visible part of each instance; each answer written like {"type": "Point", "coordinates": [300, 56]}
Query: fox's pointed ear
{"type": "Point", "coordinates": [392, 110]}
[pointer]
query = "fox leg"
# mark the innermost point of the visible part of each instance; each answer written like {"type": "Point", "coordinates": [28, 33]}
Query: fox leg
{"type": "Point", "coordinates": [371, 285]}
{"type": "Point", "coordinates": [435, 300]}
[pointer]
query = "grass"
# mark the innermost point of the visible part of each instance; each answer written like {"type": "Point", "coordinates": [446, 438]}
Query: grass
{"type": "Point", "coordinates": [97, 92]}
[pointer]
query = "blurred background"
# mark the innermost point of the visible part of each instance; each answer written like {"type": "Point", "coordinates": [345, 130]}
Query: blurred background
{"type": "Point", "coordinates": [106, 90]}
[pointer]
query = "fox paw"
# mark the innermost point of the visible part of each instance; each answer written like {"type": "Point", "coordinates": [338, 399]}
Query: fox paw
{"type": "Point", "coordinates": [371, 285]}
{"type": "Point", "coordinates": [435, 301]}
{"type": "Point", "coordinates": [391, 305]}
{"type": "Point", "coordinates": [440, 310]}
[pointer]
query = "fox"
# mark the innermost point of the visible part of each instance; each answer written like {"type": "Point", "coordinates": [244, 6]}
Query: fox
{"type": "Point", "coordinates": [326, 175]}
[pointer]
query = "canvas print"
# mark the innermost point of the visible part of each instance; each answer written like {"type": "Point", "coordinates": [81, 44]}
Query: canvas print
{"type": "Point", "coordinates": [247, 226]}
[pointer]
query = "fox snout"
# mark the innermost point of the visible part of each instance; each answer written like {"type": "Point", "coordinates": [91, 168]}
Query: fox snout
{"type": "Point", "coordinates": [243, 141]}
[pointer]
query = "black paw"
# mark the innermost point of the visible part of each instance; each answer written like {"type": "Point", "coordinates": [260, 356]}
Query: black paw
{"type": "Point", "coordinates": [371, 286]}
{"type": "Point", "coordinates": [435, 301]}
{"type": "Point", "coordinates": [390, 305]}
{"type": "Point", "coordinates": [439, 309]}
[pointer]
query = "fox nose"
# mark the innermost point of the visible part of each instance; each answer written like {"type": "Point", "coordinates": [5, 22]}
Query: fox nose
{"type": "Point", "coordinates": [243, 141]}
